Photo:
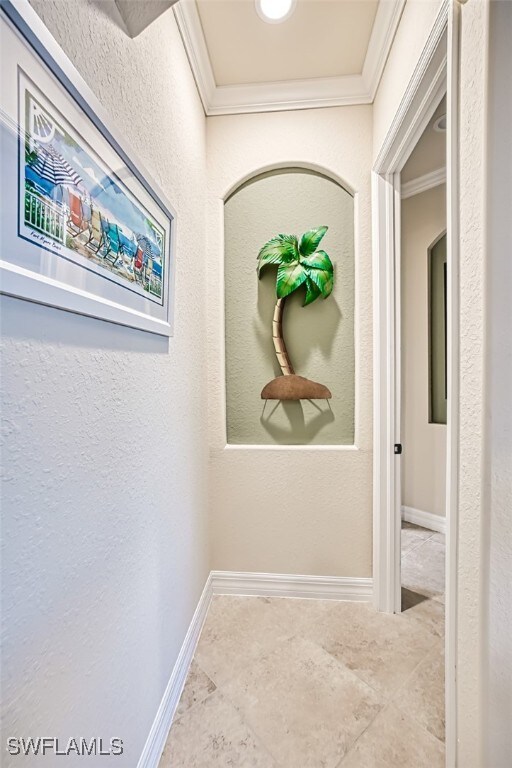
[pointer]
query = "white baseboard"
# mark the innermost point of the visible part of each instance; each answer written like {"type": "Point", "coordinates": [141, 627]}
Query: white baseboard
{"type": "Point", "coordinates": [290, 585]}
{"type": "Point", "coordinates": [155, 743]}
{"type": "Point", "coordinates": [425, 519]}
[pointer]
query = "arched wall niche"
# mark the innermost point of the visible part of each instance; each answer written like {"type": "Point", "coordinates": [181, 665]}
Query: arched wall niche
{"type": "Point", "coordinates": [319, 337]}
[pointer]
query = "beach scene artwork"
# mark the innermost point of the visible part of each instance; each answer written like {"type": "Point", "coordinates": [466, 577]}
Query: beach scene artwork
{"type": "Point", "coordinates": [74, 205]}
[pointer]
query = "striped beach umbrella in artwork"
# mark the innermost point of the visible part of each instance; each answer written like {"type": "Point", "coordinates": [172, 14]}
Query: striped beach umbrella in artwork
{"type": "Point", "coordinates": [52, 167]}
{"type": "Point", "coordinates": [42, 128]}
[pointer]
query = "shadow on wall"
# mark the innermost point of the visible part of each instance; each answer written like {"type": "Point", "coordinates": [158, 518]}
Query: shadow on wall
{"type": "Point", "coordinates": [319, 337]}
{"type": "Point", "coordinates": [27, 321]}
{"type": "Point", "coordinates": [296, 412]}
{"type": "Point", "coordinates": [308, 330]}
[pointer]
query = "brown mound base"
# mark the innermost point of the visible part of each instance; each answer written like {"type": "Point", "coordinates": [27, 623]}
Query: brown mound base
{"type": "Point", "coordinates": [294, 388]}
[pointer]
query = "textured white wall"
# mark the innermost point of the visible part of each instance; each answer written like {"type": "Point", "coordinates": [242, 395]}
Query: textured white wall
{"type": "Point", "coordinates": [498, 421]}
{"type": "Point", "coordinates": [103, 504]}
{"type": "Point", "coordinates": [471, 606]}
{"type": "Point", "coordinates": [423, 219]}
{"type": "Point", "coordinates": [291, 510]}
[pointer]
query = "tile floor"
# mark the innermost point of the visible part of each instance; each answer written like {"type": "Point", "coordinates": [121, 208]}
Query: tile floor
{"type": "Point", "coordinates": [287, 683]}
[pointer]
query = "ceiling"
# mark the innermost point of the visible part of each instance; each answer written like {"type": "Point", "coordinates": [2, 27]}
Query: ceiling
{"type": "Point", "coordinates": [327, 53]}
{"type": "Point", "coordinates": [429, 154]}
{"type": "Point", "coordinates": [321, 39]}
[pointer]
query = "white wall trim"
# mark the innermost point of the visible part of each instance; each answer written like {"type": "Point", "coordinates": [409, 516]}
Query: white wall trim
{"type": "Point", "coordinates": [348, 90]}
{"type": "Point", "coordinates": [423, 94]}
{"type": "Point", "coordinates": [291, 94]}
{"type": "Point", "coordinates": [386, 546]}
{"type": "Point", "coordinates": [423, 183]}
{"type": "Point", "coordinates": [300, 448]}
{"type": "Point", "coordinates": [189, 25]}
{"type": "Point", "coordinates": [155, 742]}
{"type": "Point", "coordinates": [384, 29]}
{"type": "Point", "coordinates": [425, 519]}
{"type": "Point", "coordinates": [291, 585]}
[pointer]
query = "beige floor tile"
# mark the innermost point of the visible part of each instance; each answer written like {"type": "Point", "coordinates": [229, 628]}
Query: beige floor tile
{"type": "Point", "coordinates": [237, 629]}
{"type": "Point", "coordinates": [299, 681]}
{"type": "Point", "coordinates": [303, 705]}
{"type": "Point", "coordinates": [423, 569]}
{"type": "Point", "coordinates": [312, 619]}
{"type": "Point", "coordinates": [212, 734]}
{"type": "Point", "coordinates": [411, 539]}
{"type": "Point", "coordinates": [197, 687]}
{"type": "Point", "coordinates": [422, 697]}
{"type": "Point", "coordinates": [416, 607]}
{"type": "Point", "coordinates": [394, 740]}
{"type": "Point", "coordinates": [382, 649]}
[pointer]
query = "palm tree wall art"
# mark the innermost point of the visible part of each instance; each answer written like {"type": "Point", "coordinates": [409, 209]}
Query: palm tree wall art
{"type": "Point", "coordinates": [299, 264]}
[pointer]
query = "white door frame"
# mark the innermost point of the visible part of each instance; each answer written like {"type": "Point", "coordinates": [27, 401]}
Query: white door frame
{"type": "Point", "coordinates": [423, 94]}
{"type": "Point", "coordinates": [435, 74]}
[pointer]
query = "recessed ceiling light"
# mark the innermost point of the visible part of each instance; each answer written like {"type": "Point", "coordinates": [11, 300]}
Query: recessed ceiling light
{"type": "Point", "coordinates": [440, 124]}
{"type": "Point", "coordinates": [275, 11]}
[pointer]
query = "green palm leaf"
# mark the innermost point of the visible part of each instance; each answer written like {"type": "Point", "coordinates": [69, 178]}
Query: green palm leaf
{"type": "Point", "coordinates": [318, 260]}
{"type": "Point", "coordinates": [310, 240]}
{"type": "Point", "coordinates": [323, 279]}
{"type": "Point", "coordinates": [289, 278]}
{"type": "Point", "coordinates": [281, 249]}
{"type": "Point", "coordinates": [312, 292]}
{"type": "Point", "coordinates": [299, 264]}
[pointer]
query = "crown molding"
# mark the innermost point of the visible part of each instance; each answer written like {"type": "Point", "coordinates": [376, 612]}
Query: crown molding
{"type": "Point", "coordinates": [423, 183]}
{"type": "Point", "coordinates": [423, 94]}
{"type": "Point", "coordinates": [387, 19]}
{"type": "Point", "coordinates": [310, 93]}
{"type": "Point", "coordinates": [189, 25]}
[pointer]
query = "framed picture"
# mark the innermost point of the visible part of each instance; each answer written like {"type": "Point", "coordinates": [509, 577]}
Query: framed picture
{"type": "Point", "coordinates": [83, 226]}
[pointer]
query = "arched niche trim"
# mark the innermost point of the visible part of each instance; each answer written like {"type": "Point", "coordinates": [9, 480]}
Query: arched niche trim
{"type": "Point", "coordinates": [320, 170]}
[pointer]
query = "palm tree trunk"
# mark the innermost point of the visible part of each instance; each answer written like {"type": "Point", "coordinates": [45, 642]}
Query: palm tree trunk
{"type": "Point", "coordinates": [277, 338]}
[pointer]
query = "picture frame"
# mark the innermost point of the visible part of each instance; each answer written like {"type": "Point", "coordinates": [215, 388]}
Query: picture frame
{"type": "Point", "coordinates": [84, 227]}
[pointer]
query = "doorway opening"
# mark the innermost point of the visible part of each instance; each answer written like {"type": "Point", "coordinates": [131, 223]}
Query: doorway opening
{"type": "Point", "coordinates": [422, 374]}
